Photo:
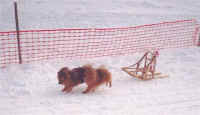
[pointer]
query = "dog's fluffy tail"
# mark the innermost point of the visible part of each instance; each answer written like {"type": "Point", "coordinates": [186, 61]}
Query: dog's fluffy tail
{"type": "Point", "coordinates": [104, 76]}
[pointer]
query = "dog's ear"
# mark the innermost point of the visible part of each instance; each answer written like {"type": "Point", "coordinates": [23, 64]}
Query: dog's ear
{"type": "Point", "coordinates": [65, 69]}
{"type": "Point", "coordinates": [63, 72]}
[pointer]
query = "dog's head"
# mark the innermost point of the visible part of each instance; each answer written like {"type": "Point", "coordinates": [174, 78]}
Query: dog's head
{"type": "Point", "coordinates": [63, 75]}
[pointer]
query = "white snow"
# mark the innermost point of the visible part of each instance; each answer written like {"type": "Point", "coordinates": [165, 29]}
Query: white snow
{"type": "Point", "coordinates": [32, 89]}
{"type": "Point", "coordinates": [51, 14]}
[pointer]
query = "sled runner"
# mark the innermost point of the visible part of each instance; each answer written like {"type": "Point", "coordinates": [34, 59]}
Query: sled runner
{"type": "Point", "coordinates": [145, 68]}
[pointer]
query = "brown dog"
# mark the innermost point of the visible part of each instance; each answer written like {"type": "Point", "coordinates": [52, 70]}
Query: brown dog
{"type": "Point", "coordinates": [86, 74]}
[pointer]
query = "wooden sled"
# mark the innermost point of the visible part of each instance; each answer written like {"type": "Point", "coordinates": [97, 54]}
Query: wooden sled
{"type": "Point", "coordinates": [145, 68]}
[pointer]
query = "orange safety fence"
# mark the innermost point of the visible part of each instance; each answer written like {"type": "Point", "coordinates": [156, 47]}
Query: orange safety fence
{"type": "Point", "coordinates": [39, 45]}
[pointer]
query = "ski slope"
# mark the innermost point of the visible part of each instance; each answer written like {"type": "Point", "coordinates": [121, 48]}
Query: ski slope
{"type": "Point", "coordinates": [32, 89]}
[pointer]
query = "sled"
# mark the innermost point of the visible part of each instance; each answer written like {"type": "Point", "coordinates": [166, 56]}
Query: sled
{"type": "Point", "coordinates": [145, 68]}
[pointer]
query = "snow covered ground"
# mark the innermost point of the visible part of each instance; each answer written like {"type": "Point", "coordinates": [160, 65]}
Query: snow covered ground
{"type": "Point", "coordinates": [51, 14]}
{"type": "Point", "coordinates": [32, 89]}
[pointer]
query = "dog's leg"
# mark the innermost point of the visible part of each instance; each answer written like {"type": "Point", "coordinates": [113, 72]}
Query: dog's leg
{"type": "Point", "coordinates": [87, 90]}
{"type": "Point", "coordinates": [93, 89]}
{"type": "Point", "coordinates": [94, 86]}
{"type": "Point", "coordinates": [64, 89]}
{"type": "Point", "coordinates": [110, 84]}
{"type": "Point", "coordinates": [69, 89]}
{"type": "Point", "coordinates": [90, 88]}
{"type": "Point", "coordinates": [106, 83]}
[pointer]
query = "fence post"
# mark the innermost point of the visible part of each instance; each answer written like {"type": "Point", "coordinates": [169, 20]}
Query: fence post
{"type": "Point", "coordinates": [17, 30]}
{"type": "Point", "coordinates": [198, 34]}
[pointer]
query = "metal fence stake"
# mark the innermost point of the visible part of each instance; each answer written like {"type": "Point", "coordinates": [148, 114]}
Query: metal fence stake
{"type": "Point", "coordinates": [17, 30]}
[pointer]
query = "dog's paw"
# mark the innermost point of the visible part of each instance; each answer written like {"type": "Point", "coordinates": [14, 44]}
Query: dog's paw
{"type": "Point", "coordinates": [63, 90]}
{"type": "Point", "coordinates": [69, 90]}
{"type": "Point", "coordinates": [85, 92]}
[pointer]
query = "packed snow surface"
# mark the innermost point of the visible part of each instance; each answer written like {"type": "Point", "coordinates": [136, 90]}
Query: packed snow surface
{"type": "Point", "coordinates": [33, 88]}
